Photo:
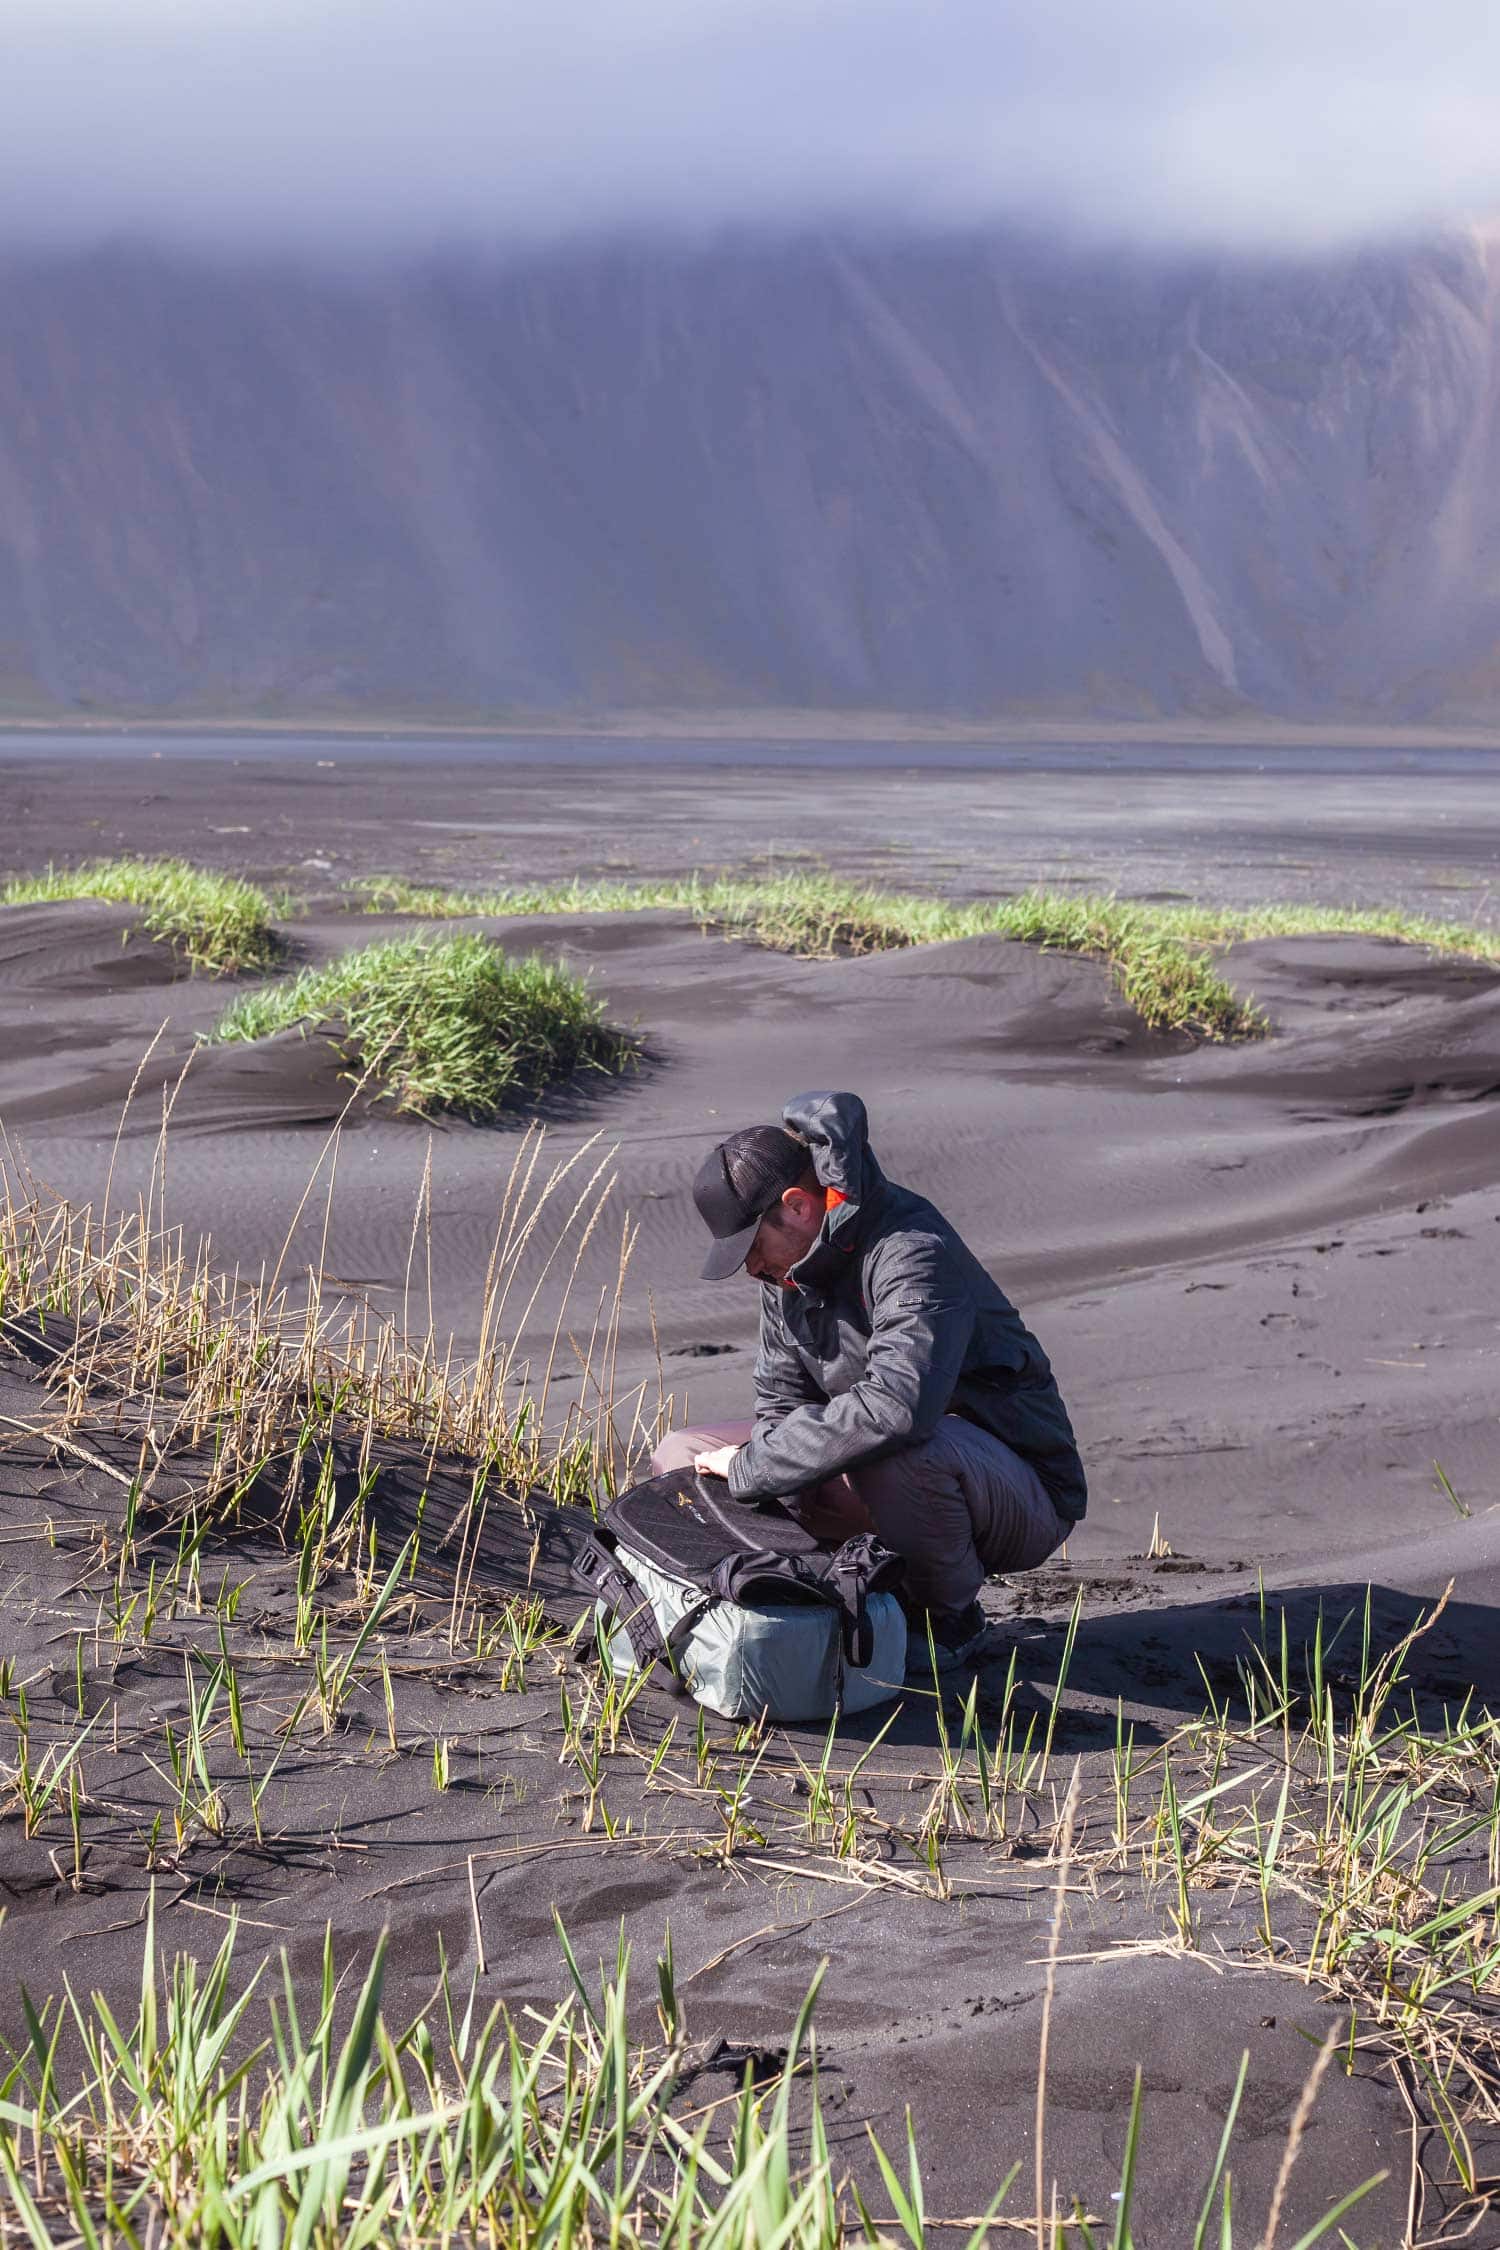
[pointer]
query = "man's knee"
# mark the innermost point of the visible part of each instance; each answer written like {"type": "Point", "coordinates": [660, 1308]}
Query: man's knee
{"type": "Point", "coordinates": [959, 1504]}
{"type": "Point", "coordinates": [920, 1512]}
{"type": "Point", "coordinates": [898, 1480]}
{"type": "Point", "coordinates": [1016, 1525]}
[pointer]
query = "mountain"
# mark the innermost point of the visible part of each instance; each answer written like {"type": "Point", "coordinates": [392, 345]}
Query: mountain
{"type": "Point", "coordinates": [966, 477]}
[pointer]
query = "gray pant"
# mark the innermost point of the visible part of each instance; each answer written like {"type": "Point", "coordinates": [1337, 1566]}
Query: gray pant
{"type": "Point", "coordinates": [956, 1507]}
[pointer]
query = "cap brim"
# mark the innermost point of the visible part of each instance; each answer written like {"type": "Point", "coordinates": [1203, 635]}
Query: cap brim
{"type": "Point", "coordinates": [729, 1253]}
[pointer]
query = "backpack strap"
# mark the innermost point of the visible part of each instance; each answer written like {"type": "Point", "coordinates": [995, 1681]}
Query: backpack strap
{"type": "Point", "coordinates": [852, 1573]}
{"type": "Point", "coordinates": [626, 1607]}
{"type": "Point", "coordinates": [854, 1615]}
{"type": "Point", "coordinates": [687, 1624]}
{"type": "Point", "coordinates": [600, 1572]}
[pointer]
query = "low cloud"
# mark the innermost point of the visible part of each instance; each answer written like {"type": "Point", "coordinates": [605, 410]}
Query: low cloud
{"type": "Point", "coordinates": [392, 123]}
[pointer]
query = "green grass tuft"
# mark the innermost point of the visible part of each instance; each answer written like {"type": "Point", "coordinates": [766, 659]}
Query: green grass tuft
{"type": "Point", "coordinates": [220, 923]}
{"type": "Point", "coordinates": [442, 1024]}
{"type": "Point", "coordinates": [1169, 981]}
{"type": "Point", "coordinates": [1161, 956]}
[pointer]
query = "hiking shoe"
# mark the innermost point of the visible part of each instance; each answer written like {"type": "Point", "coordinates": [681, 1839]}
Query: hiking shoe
{"type": "Point", "coordinates": [957, 1634]}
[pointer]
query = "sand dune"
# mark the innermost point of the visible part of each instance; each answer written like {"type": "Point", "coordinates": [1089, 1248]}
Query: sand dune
{"type": "Point", "coordinates": [1263, 1272]}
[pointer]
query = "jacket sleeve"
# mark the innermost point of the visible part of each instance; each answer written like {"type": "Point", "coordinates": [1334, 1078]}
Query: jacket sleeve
{"type": "Point", "coordinates": [782, 1381]}
{"type": "Point", "coordinates": [921, 1319]}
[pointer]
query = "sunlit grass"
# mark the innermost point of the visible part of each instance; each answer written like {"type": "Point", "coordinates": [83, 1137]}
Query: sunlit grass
{"type": "Point", "coordinates": [441, 1024]}
{"type": "Point", "coordinates": [217, 921]}
{"type": "Point", "coordinates": [184, 2125]}
{"type": "Point", "coordinates": [1161, 956]}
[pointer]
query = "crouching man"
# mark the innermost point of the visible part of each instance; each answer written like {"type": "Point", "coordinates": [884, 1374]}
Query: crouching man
{"type": "Point", "coordinates": [896, 1387]}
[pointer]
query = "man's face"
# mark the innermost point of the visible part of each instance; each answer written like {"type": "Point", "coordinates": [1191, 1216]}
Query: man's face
{"type": "Point", "coordinates": [786, 1233]}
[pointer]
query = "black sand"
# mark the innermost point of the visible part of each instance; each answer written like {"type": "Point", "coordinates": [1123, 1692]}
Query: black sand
{"type": "Point", "coordinates": [1265, 1275]}
{"type": "Point", "coordinates": [1336, 819]}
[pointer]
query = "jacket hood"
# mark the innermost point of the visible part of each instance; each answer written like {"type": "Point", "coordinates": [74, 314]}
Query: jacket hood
{"type": "Point", "coordinates": [836, 1130]}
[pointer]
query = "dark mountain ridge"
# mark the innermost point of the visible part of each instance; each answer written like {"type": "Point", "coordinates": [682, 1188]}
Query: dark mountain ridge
{"type": "Point", "coordinates": [965, 478]}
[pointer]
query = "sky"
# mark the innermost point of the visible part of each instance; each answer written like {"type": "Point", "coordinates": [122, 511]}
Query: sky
{"type": "Point", "coordinates": [1284, 124]}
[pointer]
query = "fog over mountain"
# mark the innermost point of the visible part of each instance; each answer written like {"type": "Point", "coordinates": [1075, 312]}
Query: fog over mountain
{"type": "Point", "coordinates": [964, 474]}
{"type": "Point", "coordinates": [351, 124]}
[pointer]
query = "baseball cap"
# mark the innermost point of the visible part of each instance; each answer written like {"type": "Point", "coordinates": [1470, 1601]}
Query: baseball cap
{"type": "Point", "coordinates": [736, 1186]}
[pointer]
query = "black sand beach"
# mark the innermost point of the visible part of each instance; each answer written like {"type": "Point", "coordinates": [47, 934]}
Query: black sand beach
{"type": "Point", "coordinates": [1339, 818]}
{"type": "Point", "coordinates": [1264, 1272]}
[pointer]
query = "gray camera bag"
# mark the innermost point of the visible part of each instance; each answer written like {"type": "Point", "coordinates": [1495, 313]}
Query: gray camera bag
{"type": "Point", "coordinates": [739, 1606]}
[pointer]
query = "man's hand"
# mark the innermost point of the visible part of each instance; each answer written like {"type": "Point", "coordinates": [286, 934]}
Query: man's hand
{"type": "Point", "coordinates": [715, 1464]}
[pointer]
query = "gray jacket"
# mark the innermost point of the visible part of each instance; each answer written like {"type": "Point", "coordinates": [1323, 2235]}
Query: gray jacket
{"type": "Point", "coordinates": [889, 1323]}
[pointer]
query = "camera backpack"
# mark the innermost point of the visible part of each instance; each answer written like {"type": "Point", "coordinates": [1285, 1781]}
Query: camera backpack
{"type": "Point", "coordinates": [739, 1606]}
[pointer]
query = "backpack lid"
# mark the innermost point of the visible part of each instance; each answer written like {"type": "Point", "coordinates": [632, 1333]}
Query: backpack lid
{"type": "Point", "coordinates": [689, 1525]}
